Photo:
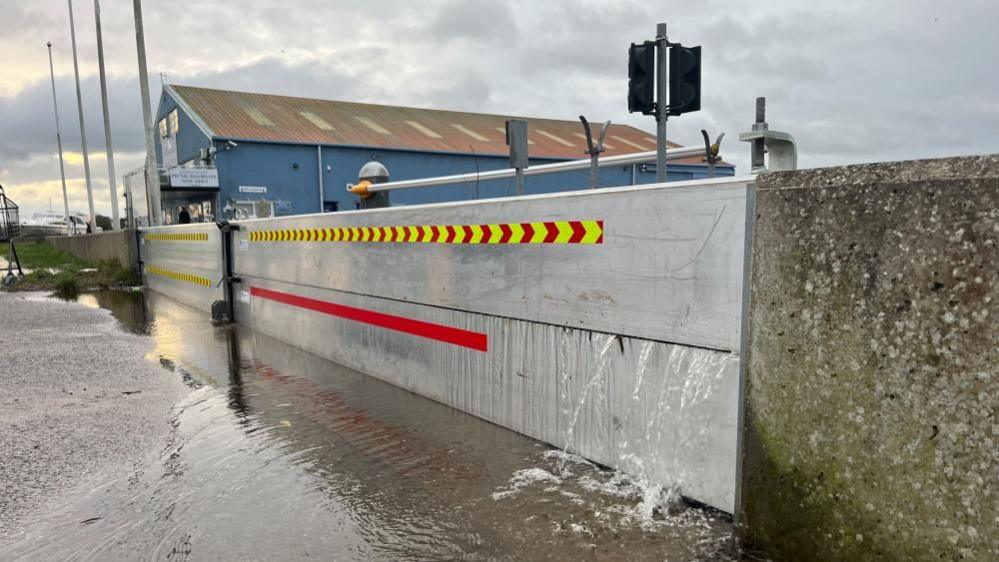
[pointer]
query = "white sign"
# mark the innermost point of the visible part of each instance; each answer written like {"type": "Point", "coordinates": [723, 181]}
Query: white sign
{"type": "Point", "coordinates": [194, 177]}
{"type": "Point", "coordinates": [244, 245]}
{"type": "Point", "coordinates": [252, 189]}
{"type": "Point", "coordinates": [244, 297]}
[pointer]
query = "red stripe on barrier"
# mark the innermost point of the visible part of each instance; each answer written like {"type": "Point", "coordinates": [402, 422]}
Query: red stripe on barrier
{"type": "Point", "coordinates": [577, 232]}
{"type": "Point", "coordinates": [456, 336]}
{"type": "Point", "coordinates": [600, 239]}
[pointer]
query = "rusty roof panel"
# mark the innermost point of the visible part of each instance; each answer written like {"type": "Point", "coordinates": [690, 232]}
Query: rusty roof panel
{"type": "Point", "coordinates": [264, 117]}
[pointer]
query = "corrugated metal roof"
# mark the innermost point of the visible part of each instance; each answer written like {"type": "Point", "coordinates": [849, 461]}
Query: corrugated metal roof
{"type": "Point", "coordinates": [264, 117]}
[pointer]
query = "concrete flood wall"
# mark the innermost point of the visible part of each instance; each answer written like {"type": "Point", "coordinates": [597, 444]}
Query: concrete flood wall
{"type": "Point", "coordinates": [184, 262]}
{"type": "Point", "coordinates": [873, 357]}
{"type": "Point", "coordinates": [118, 245]}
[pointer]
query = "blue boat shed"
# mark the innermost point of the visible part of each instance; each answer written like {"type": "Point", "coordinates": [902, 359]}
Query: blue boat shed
{"type": "Point", "coordinates": [226, 154]}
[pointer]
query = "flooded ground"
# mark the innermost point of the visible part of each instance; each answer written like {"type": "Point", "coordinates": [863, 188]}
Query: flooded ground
{"type": "Point", "coordinates": [280, 454]}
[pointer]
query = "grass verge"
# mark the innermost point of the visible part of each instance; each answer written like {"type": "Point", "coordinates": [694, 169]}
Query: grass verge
{"type": "Point", "coordinates": [67, 275]}
{"type": "Point", "coordinates": [40, 254]}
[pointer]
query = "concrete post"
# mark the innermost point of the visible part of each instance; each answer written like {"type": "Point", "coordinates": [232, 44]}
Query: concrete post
{"type": "Point", "coordinates": [873, 345]}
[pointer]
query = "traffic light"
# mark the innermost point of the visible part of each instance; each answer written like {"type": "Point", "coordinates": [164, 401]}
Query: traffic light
{"type": "Point", "coordinates": [684, 79]}
{"type": "Point", "coordinates": [642, 78]}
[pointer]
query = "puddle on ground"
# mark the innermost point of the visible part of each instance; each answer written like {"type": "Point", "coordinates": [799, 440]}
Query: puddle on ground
{"type": "Point", "coordinates": [280, 454]}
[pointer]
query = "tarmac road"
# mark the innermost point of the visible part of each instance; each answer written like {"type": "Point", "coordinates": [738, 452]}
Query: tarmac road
{"type": "Point", "coordinates": [79, 401]}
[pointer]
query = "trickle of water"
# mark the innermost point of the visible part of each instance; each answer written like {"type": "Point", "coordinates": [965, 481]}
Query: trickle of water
{"type": "Point", "coordinates": [660, 427]}
{"type": "Point", "coordinates": [595, 377]}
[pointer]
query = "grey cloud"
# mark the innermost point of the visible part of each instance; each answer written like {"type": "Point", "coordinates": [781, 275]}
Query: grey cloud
{"type": "Point", "coordinates": [27, 123]}
{"type": "Point", "coordinates": [852, 83]}
{"type": "Point", "coordinates": [476, 20]}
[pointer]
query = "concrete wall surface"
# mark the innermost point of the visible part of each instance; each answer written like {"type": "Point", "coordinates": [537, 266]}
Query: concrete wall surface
{"type": "Point", "coordinates": [872, 377]}
{"type": "Point", "coordinates": [119, 245]}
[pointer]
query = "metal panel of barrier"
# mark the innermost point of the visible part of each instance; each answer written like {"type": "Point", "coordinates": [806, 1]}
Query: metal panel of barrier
{"type": "Point", "coordinates": [183, 262]}
{"type": "Point", "coordinates": [663, 412]}
{"type": "Point", "coordinates": [661, 262]}
{"type": "Point", "coordinates": [605, 321]}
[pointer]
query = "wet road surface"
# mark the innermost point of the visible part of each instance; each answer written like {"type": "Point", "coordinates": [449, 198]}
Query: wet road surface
{"type": "Point", "coordinates": [77, 398]}
{"type": "Point", "coordinates": [279, 454]}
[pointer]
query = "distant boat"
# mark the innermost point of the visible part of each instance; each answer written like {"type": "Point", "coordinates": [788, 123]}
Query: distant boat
{"type": "Point", "coordinates": [55, 224]}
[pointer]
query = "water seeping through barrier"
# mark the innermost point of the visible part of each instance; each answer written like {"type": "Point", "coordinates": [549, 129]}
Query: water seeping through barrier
{"type": "Point", "coordinates": [606, 322]}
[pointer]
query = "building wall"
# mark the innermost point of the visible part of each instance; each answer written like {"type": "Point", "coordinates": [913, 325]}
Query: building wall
{"type": "Point", "coordinates": [190, 138]}
{"type": "Point", "coordinates": [290, 172]}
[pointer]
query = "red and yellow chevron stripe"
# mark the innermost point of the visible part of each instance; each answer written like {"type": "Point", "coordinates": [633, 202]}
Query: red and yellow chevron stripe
{"type": "Point", "coordinates": [177, 236]}
{"type": "Point", "coordinates": [554, 232]}
{"type": "Point", "coordinates": [185, 277]}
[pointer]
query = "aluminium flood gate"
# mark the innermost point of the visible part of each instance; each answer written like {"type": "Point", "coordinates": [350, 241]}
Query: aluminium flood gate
{"type": "Point", "coordinates": [607, 322]}
{"type": "Point", "coordinates": [183, 262]}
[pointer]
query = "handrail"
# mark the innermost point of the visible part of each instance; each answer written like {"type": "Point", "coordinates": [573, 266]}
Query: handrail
{"type": "Point", "coordinates": [572, 165]}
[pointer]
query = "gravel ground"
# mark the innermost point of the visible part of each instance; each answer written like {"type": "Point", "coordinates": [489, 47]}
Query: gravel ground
{"type": "Point", "coordinates": [78, 399]}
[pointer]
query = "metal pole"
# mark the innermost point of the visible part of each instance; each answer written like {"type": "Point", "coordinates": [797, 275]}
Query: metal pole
{"type": "Point", "coordinates": [662, 50]}
{"type": "Point", "coordinates": [109, 151]}
{"type": "Point", "coordinates": [322, 196]}
{"type": "Point", "coordinates": [152, 176]}
{"type": "Point", "coordinates": [558, 167]}
{"type": "Point", "coordinates": [759, 145]}
{"type": "Point", "coordinates": [83, 128]}
{"type": "Point", "coordinates": [62, 169]}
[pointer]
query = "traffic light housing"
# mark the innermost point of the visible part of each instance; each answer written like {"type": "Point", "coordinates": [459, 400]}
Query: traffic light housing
{"type": "Point", "coordinates": [642, 78]}
{"type": "Point", "coordinates": [684, 79]}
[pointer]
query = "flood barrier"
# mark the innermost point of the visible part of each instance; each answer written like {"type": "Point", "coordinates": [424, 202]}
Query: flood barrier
{"type": "Point", "coordinates": [607, 322]}
{"type": "Point", "coordinates": [183, 262]}
{"type": "Point", "coordinates": [610, 322]}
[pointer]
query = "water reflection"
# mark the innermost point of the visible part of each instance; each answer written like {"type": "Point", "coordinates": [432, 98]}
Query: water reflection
{"type": "Point", "coordinates": [278, 453]}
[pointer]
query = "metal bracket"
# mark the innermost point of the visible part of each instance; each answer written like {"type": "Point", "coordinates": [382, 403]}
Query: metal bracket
{"type": "Point", "coordinates": [594, 150]}
{"type": "Point", "coordinates": [226, 226]}
{"type": "Point", "coordinates": [711, 151]}
{"type": "Point", "coordinates": [224, 311]}
{"type": "Point", "coordinates": [781, 147]}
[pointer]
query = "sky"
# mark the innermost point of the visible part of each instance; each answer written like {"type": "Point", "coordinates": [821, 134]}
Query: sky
{"type": "Point", "coordinates": [853, 81]}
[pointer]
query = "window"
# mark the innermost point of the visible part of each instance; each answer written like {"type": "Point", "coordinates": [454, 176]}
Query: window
{"type": "Point", "coordinates": [258, 117]}
{"type": "Point", "coordinates": [370, 123]}
{"type": "Point", "coordinates": [316, 120]}
{"type": "Point", "coordinates": [174, 122]}
{"type": "Point", "coordinates": [164, 132]}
